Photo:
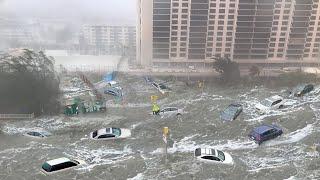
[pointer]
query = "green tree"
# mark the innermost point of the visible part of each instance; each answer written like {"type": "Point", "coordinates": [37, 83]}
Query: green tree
{"type": "Point", "coordinates": [29, 83]}
{"type": "Point", "coordinates": [229, 70]}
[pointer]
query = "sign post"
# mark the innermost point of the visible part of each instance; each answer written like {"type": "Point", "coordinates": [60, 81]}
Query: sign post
{"type": "Point", "coordinates": [165, 133]}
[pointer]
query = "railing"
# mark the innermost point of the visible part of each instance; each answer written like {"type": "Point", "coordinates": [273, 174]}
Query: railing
{"type": "Point", "coordinates": [16, 116]}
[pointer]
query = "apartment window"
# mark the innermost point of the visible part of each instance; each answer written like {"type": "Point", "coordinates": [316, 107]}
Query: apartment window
{"type": "Point", "coordinates": [182, 54]}
{"type": "Point", "coordinates": [271, 50]}
{"type": "Point", "coordinates": [184, 10]}
{"type": "Point", "coordinates": [173, 44]}
{"type": "Point", "coordinates": [274, 28]}
{"type": "Point", "coordinates": [283, 28]}
{"type": "Point", "coordinates": [220, 22]}
{"type": "Point", "coordinates": [286, 11]}
{"type": "Point", "coordinates": [278, 5]}
{"type": "Point", "coordinates": [307, 50]}
{"type": "Point", "coordinates": [213, 5]}
{"type": "Point", "coordinates": [275, 23]}
{"type": "Point", "coordinates": [229, 33]}
{"type": "Point", "coordinates": [174, 33]}
{"type": "Point", "coordinates": [183, 27]}
{"type": "Point", "coordinates": [222, 5]}
{"type": "Point", "coordinates": [220, 27]}
{"type": "Point", "coordinates": [183, 38]}
{"type": "Point", "coordinates": [309, 34]}
{"type": "Point", "coordinates": [277, 11]}
{"type": "Point", "coordinates": [175, 10]}
{"type": "Point", "coordinates": [219, 38]}
{"type": "Point", "coordinates": [227, 49]}
{"type": "Point", "coordinates": [184, 4]}
{"type": "Point", "coordinates": [287, 5]}
{"type": "Point", "coordinates": [285, 17]}
{"type": "Point", "coordinates": [184, 16]}
{"type": "Point", "coordinates": [218, 49]}
{"type": "Point", "coordinates": [232, 5]}
{"type": "Point", "coordinates": [210, 39]}
{"type": "Point", "coordinates": [276, 17]}
{"type": "Point", "coordinates": [282, 39]}
{"type": "Point", "coordinates": [230, 16]}
{"type": "Point", "coordinates": [174, 22]}
{"type": "Point", "coordinates": [212, 11]}
{"type": "Point", "coordinates": [183, 49]}
{"type": "Point", "coordinates": [228, 44]}
{"type": "Point", "coordinates": [229, 28]}
{"type": "Point", "coordinates": [211, 28]}
{"type": "Point", "coordinates": [230, 22]}
{"type": "Point", "coordinates": [313, 18]}
{"type": "Point", "coordinates": [311, 23]}
{"type": "Point", "coordinates": [311, 28]}
{"type": "Point", "coordinates": [209, 44]}
{"type": "Point", "coordinates": [272, 44]}
{"type": "Point", "coordinates": [173, 55]}
{"type": "Point", "coordinates": [281, 44]}
{"type": "Point", "coordinates": [175, 16]}
{"type": "Point", "coordinates": [272, 39]}
{"type": "Point", "coordinates": [174, 27]}
{"type": "Point", "coordinates": [228, 39]}
{"type": "Point", "coordinates": [173, 49]}
{"type": "Point", "coordinates": [183, 33]}
{"type": "Point", "coordinates": [219, 33]}
{"type": "Point", "coordinates": [209, 49]}
{"type": "Point", "coordinates": [211, 22]}
{"type": "Point", "coordinates": [183, 44]}
{"type": "Point", "coordinates": [279, 55]}
{"type": "Point", "coordinates": [221, 11]}
{"type": "Point", "coordinates": [174, 38]}
{"type": "Point", "coordinates": [231, 11]}
{"type": "Point", "coordinates": [284, 22]}
{"type": "Point", "coordinates": [280, 50]}
{"type": "Point", "coordinates": [175, 4]}
{"type": "Point", "coordinates": [184, 22]}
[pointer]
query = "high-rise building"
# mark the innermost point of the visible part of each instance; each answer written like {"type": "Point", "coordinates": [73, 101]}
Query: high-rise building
{"type": "Point", "coordinates": [104, 39]}
{"type": "Point", "coordinates": [191, 32]}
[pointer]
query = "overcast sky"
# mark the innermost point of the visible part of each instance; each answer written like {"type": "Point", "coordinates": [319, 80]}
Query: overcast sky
{"type": "Point", "coordinates": [103, 11]}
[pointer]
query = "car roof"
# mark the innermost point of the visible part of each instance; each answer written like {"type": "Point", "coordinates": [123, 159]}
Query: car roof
{"type": "Point", "coordinates": [263, 128]}
{"type": "Point", "coordinates": [104, 131]}
{"type": "Point", "coordinates": [58, 161]}
{"type": "Point", "coordinates": [274, 98]}
{"type": "Point", "coordinates": [207, 151]}
{"type": "Point", "coordinates": [112, 82]}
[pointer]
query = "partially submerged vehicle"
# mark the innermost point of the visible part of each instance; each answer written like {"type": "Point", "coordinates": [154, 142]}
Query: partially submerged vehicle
{"type": "Point", "coordinates": [60, 164]}
{"type": "Point", "coordinates": [171, 111]}
{"type": "Point", "coordinates": [148, 79]}
{"type": "Point", "coordinates": [213, 156]}
{"type": "Point", "coordinates": [110, 133]}
{"type": "Point", "coordinates": [114, 84]}
{"type": "Point", "coordinates": [163, 89]}
{"type": "Point", "coordinates": [113, 91]}
{"type": "Point", "coordinates": [265, 132]}
{"type": "Point", "coordinates": [301, 90]}
{"type": "Point", "coordinates": [270, 103]}
{"type": "Point", "coordinates": [231, 112]}
{"type": "Point", "coordinates": [37, 134]}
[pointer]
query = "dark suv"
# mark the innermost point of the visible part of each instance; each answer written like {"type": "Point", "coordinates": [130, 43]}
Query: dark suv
{"type": "Point", "coordinates": [264, 133]}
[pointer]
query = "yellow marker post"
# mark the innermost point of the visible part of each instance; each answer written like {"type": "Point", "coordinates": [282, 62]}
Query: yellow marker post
{"type": "Point", "coordinates": [165, 133]}
{"type": "Point", "coordinates": [154, 98]}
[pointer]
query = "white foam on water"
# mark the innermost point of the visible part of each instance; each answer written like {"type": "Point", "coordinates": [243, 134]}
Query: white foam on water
{"type": "Point", "coordinates": [139, 176]}
{"type": "Point", "coordinates": [100, 156]}
{"type": "Point", "coordinates": [292, 137]}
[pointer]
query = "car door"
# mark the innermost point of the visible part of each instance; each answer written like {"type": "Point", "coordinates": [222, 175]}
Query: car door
{"type": "Point", "coordinates": [270, 134]}
{"type": "Point", "coordinates": [210, 158]}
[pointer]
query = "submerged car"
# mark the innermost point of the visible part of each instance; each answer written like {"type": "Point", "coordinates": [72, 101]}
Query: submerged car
{"type": "Point", "coordinates": [270, 103]}
{"type": "Point", "coordinates": [231, 112]}
{"type": "Point", "coordinates": [148, 79]}
{"type": "Point", "coordinates": [301, 90]}
{"type": "Point", "coordinates": [110, 133]}
{"type": "Point", "coordinates": [37, 134]}
{"type": "Point", "coordinates": [171, 111]}
{"type": "Point", "coordinates": [113, 92]}
{"type": "Point", "coordinates": [213, 156]}
{"type": "Point", "coordinates": [163, 89]}
{"type": "Point", "coordinates": [60, 164]}
{"type": "Point", "coordinates": [265, 132]}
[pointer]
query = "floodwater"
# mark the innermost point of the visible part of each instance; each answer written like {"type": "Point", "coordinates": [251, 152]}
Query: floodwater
{"type": "Point", "coordinates": [289, 156]}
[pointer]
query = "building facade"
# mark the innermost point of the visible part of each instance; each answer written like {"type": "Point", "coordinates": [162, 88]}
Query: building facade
{"type": "Point", "coordinates": [113, 40]}
{"type": "Point", "coordinates": [192, 32]}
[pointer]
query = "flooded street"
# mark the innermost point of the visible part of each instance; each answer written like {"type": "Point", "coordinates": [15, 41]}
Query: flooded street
{"type": "Point", "coordinates": [289, 156]}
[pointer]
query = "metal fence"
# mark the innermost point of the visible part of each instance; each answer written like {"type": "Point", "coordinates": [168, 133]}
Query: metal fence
{"type": "Point", "coordinates": [17, 116]}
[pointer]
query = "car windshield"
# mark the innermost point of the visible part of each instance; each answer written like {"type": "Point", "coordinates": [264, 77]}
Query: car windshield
{"type": "Point", "coordinates": [162, 86]}
{"type": "Point", "coordinates": [221, 155]}
{"type": "Point", "coordinates": [46, 167]}
{"type": "Point", "coordinates": [116, 131]}
{"type": "Point", "coordinates": [231, 110]}
{"type": "Point", "coordinates": [266, 103]}
{"type": "Point", "coordinates": [94, 134]}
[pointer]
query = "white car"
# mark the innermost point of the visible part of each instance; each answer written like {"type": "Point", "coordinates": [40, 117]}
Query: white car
{"type": "Point", "coordinates": [171, 111]}
{"type": "Point", "coordinates": [60, 164]}
{"type": "Point", "coordinates": [37, 134]}
{"type": "Point", "coordinates": [110, 133]}
{"type": "Point", "coordinates": [114, 84]}
{"type": "Point", "coordinates": [213, 156]}
{"type": "Point", "coordinates": [161, 87]}
{"type": "Point", "coordinates": [270, 103]}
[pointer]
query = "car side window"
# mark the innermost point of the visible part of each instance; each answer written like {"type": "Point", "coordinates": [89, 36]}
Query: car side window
{"type": "Point", "coordinates": [37, 134]}
{"type": "Point", "coordinates": [211, 158]}
{"type": "Point", "coordinates": [276, 102]}
{"type": "Point", "coordinates": [106, 136]}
